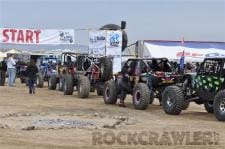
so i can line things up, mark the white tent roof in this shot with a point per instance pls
(14, 51)
(2, 54)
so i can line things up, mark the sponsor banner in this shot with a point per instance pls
(193, 51)
(114, 48)
(114, 39)
(107, 43)
(97, 41)
(36, 36)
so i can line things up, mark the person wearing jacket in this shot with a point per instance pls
(11, 70)
(32, 71)
(3, 69)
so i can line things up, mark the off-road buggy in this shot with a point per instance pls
(84, 72)
(48, 66)
(144, 79)
(204, 87)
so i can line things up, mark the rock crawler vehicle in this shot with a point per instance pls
(48, 66)
(144, 79)
(82, 71)
(207, 87)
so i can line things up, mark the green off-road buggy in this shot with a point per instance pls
(207, 87)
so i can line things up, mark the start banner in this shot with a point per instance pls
(36, 36)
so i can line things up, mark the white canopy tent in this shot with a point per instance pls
(2, 55)
(13, 51)
(194, 51)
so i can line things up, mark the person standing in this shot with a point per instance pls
(32, 71)
(3, 69)
(11, 69)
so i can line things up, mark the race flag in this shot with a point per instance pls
(181, 64)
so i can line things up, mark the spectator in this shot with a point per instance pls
(3, 69)
(32, 71)
(188, 68)
(11, 69)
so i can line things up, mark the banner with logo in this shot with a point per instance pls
(114, 48)
(193, 51)
(36, 36)
(97, 42)
(107, 43)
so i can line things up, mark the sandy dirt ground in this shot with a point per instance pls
(50, 119)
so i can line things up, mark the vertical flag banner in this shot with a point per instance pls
(114, 49)
(182, 58)
(181, 64)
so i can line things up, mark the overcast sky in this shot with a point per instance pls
(146, 19)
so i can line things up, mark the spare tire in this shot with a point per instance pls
(40, 80)
(80, 61)
(106, 71)
(83, 87)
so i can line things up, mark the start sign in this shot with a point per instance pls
(20, 36)
(36, 36)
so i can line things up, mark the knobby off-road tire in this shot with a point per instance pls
(68, 85)
(141, 96)
(173, 100)
(185, 105)
(40, 80)
(209, 106)
(110, 92)
(84, 87)
(92, 89)
(219, 106)
(99, 92)
(61, 82)
(52, 82)
(106, 68)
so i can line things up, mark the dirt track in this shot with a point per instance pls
(49, 119)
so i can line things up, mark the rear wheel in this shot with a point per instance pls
(83, 87)
(219, 106)
(40, 80)
(173, 100)
(68, 85)
(185, 105)
(61, 82)
(209, 106)
(141, 96)
(110, 92)
(92, 89)
(52, 82)
(99, 92)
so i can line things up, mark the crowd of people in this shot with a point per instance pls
(8, 67)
